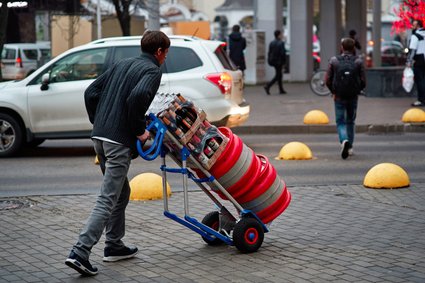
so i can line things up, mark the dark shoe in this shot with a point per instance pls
(345, 147)
(282, 92)
(119, 254)
(267, 90)
(418, 103)
(82, 266)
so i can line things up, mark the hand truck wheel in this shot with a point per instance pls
(248, 235)
(212, 220)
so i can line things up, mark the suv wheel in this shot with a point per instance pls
(10, 135)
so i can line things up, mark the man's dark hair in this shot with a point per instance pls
(348, 44)
(277, 33)
(420, 23)
(352, 33)
(236, 28)
(152, 40)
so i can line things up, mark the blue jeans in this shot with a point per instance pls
(109, 211)
(345, 116)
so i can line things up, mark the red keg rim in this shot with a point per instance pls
(263, 180)
(274, 210)
(244, 182)
(229, 156)
(248, 179)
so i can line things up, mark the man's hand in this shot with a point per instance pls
(143, 138)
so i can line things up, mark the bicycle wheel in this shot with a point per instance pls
(318, 84)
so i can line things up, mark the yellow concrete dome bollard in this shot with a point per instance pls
(147, 186)
(295, 151)
(413, 115)
(386, 176)
(316, 117)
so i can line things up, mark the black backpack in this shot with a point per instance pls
(346, 82)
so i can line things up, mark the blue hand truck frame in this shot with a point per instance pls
(252, 237)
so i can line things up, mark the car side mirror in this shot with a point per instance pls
(45, 80)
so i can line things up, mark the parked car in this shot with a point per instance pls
(18, 60)
(393, 53)
(49, 103)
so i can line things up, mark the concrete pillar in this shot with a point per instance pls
(376, 33)
(355, 15)
(330, 30)
(268, 18)
(301, 17)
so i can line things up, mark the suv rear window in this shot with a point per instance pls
(31, 54)
(178, 58)
(224, 59)
(45, 53)
(181, 59)
(126, 52)
(8, 54)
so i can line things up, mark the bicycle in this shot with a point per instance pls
(318, 83)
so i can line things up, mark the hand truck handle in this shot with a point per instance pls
(160, 130)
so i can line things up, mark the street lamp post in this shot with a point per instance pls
(99, 20)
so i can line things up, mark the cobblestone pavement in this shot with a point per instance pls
(327, 234)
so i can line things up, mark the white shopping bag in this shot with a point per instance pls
(408, 79)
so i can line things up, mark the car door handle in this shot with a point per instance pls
(162, 84)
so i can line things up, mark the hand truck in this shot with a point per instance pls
(246, 231)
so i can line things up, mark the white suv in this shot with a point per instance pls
(49, 103)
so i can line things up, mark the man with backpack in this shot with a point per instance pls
(416, 58)
(345, 79)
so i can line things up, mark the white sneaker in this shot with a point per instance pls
(417, 103)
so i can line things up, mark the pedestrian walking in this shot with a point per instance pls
(237, 45)
(416, 58)
(346, 78)
(116, 104)
(357, 44)
(276, 59)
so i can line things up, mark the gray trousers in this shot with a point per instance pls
(109, 211)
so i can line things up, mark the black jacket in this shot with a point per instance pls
(277, 53)
(117, 101)
(237, 45)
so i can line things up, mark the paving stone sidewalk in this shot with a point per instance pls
(327, 234)
(285, 113)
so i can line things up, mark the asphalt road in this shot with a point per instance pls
(61, 167)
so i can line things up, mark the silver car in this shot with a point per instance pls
(49, 103)
(18, 60)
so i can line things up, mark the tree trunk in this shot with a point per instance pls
(3, 28)
(123, 14)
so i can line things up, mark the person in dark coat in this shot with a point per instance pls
(116, 103)
(277, 59)
(237, 45)
(357, 45)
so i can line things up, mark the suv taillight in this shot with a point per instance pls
(222, 80)
(18, 62)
